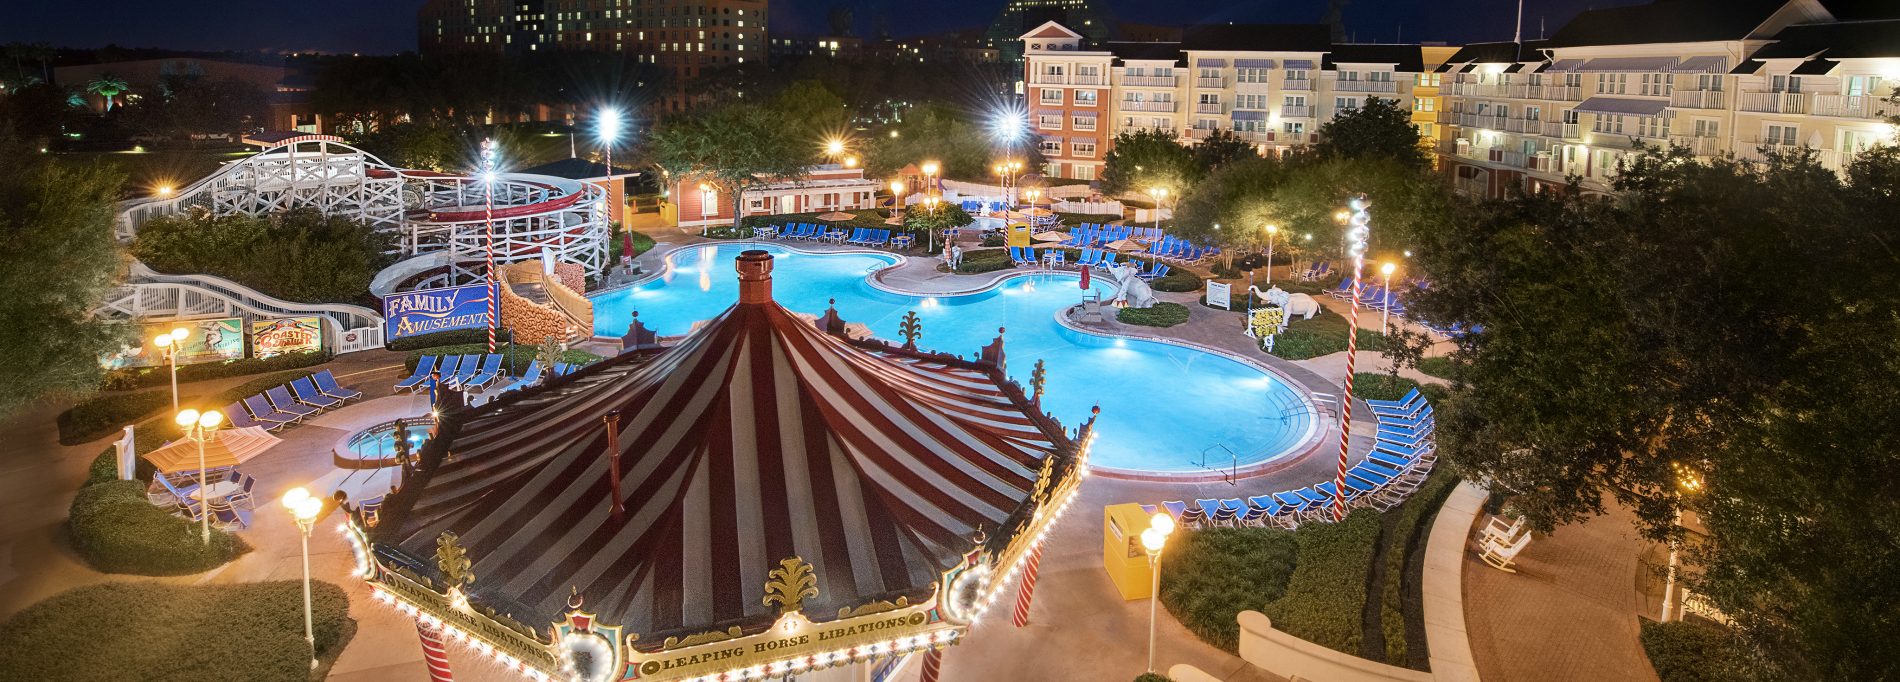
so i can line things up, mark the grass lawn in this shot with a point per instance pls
(1161, 315)
(152, 631)
(1440, 366)
(1325, 334)
(1211, 575)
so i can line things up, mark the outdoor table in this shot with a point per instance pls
(1049, 259)
(836, 236)
(762, 232)
(219, 490)
(901, 241)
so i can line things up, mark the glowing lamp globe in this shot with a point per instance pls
(1153, 540)
(295, 497)
(186, 417)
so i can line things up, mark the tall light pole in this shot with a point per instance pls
(1154, 539)
(897, 197)
(488, 215)
(930, 171)
(1271, 229)
(170, 342)
(1386, 313)
(1158, 193)
(304, 509)
(198, 427)
(607, 125)
(930, 233)
(1358, 229)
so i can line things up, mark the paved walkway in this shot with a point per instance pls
(1569, 613)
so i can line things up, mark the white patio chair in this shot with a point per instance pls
(1503, 557)
(1497, 531)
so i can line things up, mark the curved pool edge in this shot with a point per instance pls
(666, 258)
(1308, 444)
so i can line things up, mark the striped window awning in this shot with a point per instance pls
(1703, 64)
(1083, 114)
(1052, 138)
(1250, 116)
(1621, 106)
(1627, 64)
(1254, 63)
(1299, 63)
(1210, 63)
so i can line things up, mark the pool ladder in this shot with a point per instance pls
(1231, 475)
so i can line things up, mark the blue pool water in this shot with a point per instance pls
(1163, 406)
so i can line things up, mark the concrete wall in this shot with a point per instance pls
(1284, 654)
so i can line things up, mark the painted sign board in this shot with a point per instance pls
(286, 335)
(1220, 294)
(427, 311)
(211, 340)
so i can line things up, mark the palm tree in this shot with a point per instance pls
(107, 86)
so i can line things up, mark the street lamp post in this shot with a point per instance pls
(1271, 228)
(169, 342)
(897, 197)
(1385, 313)
(304, 509)
(608, 122)
(930, 233)
(488, 216)
(1153, 540)
(198, 427)
(1158, 193)
(930, 171)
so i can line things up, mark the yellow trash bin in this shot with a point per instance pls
(1122, 554)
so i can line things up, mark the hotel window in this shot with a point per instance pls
(1210, 98)
(1573, 80)
(1083, 149)
(1784, 135)
(1049, 121)
(1135, 71)
(1708, 127)
(1296, 74)
(1082, 123)
(1250, 126)
(1294, 101)
(1210, 73)
(1051, 96)
(1049, 147)
(1349, 76)
(1709, 81)
(1785, 84)
(1657, 84)
(1250, 75)
(1379, 76)
(1085, 98)
(1085, 172)
(1533, 113)
(1613, 83)
(1857, 86)
(1250, 102)
(1293, 127)
(1345, 103)
(1607, 124)
(1650, 126)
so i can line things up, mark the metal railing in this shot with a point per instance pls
(1048, 79)
(1773, 102)
(1140, 105)
(1696, 99)
(1208, 108)
(1215, 82)
(1365, 86)
(1698, 145)
(1086, 79)
(1299, 84)
(1853, 106)
(1296, 111)
(1149, 81)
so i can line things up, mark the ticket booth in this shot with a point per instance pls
(1122, 554)
(1017, 235)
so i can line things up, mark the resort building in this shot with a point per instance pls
(1719, 77)
(1004, 33)
(1272, 83)
(830, 187)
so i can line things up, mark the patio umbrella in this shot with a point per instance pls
(1121, 245)
(1052, 236)
(835, 216)
(1039, 213)
(894, 221)
(226, 448)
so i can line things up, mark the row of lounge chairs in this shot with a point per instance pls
(1026, 256)
(469, 371)
(1316, 271)
(285, 404)
(1180, 250)
(1401, 457)
(1092, 234)
(1371, 296)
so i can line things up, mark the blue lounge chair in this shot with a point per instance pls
(281, 399)
(326, 382)
(1185, 515)
(308, 394)
(262, 411)
(1156, 269)
(528, 378)
(562, 369)
(1344, 290)
(1405, 401)
(1217, 514)
(465, 369)
(490, 370)
(241, 418)
(1089, 257)
(1058, 257)
(1108, 259)
(423, 367)
(445, 368)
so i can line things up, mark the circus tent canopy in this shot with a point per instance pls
(757, 438)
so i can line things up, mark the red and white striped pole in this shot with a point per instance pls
(1028, 591)
(488, 213)
(434, 653)
(1358, 229)
(933, 665)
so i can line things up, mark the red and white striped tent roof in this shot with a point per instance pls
(755, 439)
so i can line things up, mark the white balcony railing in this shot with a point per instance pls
(1698, 145)
(1148, 81)
(1199, 133)
(1207, 108)
(1301, 84)
(1551, 129)
(1365, 86)
(1773, 102)
(1086, 79)
(1137, 105)
(1696, 99)
(1048, 79)
(1215, 82)
(1296, 111)
(1853, 106)
(1562, 93)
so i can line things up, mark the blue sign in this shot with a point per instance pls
(436, 310)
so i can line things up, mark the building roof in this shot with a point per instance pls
(1666, 21)
(1258, 37)
(1844, 40)
(757, 438)
(1405, 58)
(1133, 50)
(1494, 53)
(578, 169)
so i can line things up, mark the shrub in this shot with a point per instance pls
(985, 260)
(1440, 366)
(1151, 677)
(1407, 533)
(143, 377)
(299, 255)
(105, 467)
(1209, 576)
(1177, 280)
(1698, 651)
(251, 631)
(642, 242)
(515, 357)
(457, 337)
(1322, 335)
(117, 530)
(995, 241)
(1161, 315)
(1325, 598)
(105, 414)
(1377, 386)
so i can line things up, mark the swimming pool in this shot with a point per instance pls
(1165, 408)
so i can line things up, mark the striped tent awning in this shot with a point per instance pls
(1619, 106)
(1250, 115)
(757, 438)
(1564, 66)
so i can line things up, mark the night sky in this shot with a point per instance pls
(386, 26)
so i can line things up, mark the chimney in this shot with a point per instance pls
(755, 277)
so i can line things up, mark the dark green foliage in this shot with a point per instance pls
(1402, 548)
(1161, 315)
(977, 261)
(642, 242)
(105, 467)
(116, 530)
(1149, 158)
(298, 255)
(959, 143)
(1324, 598)
(105, 414)
(422, 146)
(458, 337)
(1209, 576)
(1178, 280)
(143, 377)
(1440, 366)
(1379, 386)
(515, 357)
(58, 260)
(1151, 677)
(1325, 334)
(251, 631)
(733, 147)
(1699, 651)
(1221, 147)
(945, 216)
(1377, 129)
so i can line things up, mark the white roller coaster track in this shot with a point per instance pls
(151, 295)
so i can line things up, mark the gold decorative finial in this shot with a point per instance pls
(1044, 479)
(1037, 378)
(453, 562)
(790, 584)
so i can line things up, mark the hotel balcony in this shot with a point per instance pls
(1696, 99)
(1700, 146)
(1199, 133)
(1149, 81)
(1853, 106)
(1560, 93)
(1528, 126)
(1365, 86)
(1083, 79)
(1216, 82)
(1048, 79)
(1773, 102)
(1208, 108)
(1552, 129)
(1302, 84)
(1757, 149)
(1295, 111)
(1134, 105)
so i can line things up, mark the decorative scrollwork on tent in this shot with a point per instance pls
(1037, 378)
(702, 638)
(880, 606)
(1043, 481)
(453, 562)
(790, 584)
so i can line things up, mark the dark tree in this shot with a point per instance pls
(1221, 147)
(1149, 158)
(1379, 128)
(732, 147)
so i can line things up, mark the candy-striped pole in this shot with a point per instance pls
(933, 665)
(1028, 591)
(434, 654)
(1359, 228)
(488, 212)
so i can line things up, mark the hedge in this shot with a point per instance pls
(1407, 534)
(117, 530)
(985, 260)
(1440, 366)
(449, 338)
(515, 357)
(105, 414)
(1322, 335)
(155, 631)
(1161, 315)
(146, 377)
(1178, 280)
(105, 466)
(1698, 651)
(1380, 386)
(1210, 575)
(1325, 599)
